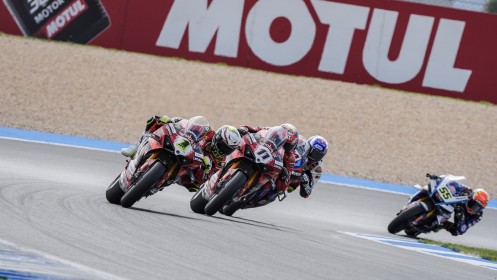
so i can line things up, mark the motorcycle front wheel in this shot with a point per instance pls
(231, 187)
(143, 185)
(404, 218)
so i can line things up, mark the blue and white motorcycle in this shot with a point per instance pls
(429, 208)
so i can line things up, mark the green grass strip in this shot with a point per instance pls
(486, 254)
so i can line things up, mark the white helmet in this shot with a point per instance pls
(318, 147)
(225, 141)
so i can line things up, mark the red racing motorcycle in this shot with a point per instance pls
(172, 151)
(259, 198)
(258, 161)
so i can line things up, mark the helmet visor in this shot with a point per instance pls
(220, 148)
(474, 206)
(316, 155)
(224, 148)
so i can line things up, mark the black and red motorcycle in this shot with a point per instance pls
(258, 161)
(163, 157)
(261, 197)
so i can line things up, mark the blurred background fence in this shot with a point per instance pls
(485, 6)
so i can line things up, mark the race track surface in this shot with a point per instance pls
(52, 200)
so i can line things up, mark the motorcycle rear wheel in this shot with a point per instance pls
(233, 185)
(403, 219)
(231, 208)
(198, 202)
(114, 192)
(143, 185)
(411, 232)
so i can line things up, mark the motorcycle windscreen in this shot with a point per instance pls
(275, 137)
(197, 127)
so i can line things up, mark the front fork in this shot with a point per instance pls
(134, 170)
(280, 194)
(431, 210)
(211, 187)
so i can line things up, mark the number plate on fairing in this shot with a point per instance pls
(262, 155)
(446, 195)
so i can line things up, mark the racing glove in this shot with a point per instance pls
(243, 130)
(150, 122)
(207, 164)
(284, 176)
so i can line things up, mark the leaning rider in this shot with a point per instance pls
(216, 146)
(312, 152)
(289, 158)
(466, 214)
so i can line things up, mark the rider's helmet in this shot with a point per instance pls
(292, 137)
(301, 145)
(225, 141)
(318, 147)
(478, 200)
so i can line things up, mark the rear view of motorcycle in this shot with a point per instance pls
(428, 208)
(163, 157)
(257, 163)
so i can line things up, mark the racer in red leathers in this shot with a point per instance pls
(223, 142)
(153, 124)
(215, 145)
(289, 158)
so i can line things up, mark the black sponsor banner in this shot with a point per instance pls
(66, 20)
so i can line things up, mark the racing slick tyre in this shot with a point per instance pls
(143, 185)
(198, 202)
(231, 187)
(404, 218)
(114, 192)
(231, 208)
(412, 232)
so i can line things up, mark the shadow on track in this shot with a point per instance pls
(254, 223)
(168, 214)
(223, 218)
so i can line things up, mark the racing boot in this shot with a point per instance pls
(131, 150)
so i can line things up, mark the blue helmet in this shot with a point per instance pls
(318, 147)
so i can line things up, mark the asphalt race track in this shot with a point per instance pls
(52, 202)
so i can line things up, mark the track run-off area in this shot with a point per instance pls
(57, 224)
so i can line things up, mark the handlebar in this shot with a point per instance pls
(433, 177)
